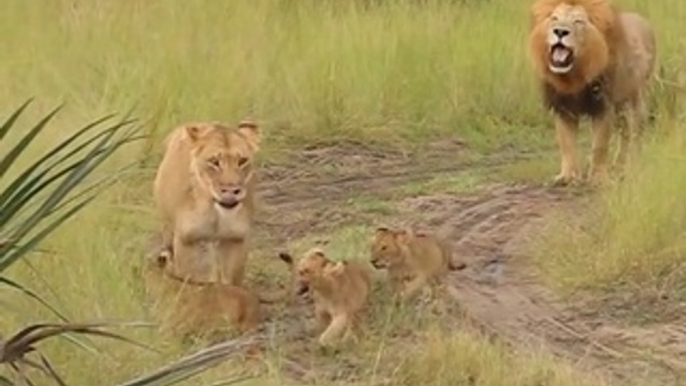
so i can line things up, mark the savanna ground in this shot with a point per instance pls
(420, 113)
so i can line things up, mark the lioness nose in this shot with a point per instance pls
(232, 191)
(561, 32)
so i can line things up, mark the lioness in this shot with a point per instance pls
(595, 61)
(339, 291)
(200, 307)
(204, 193)
(412, 259)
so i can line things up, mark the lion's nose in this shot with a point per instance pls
(560, 32)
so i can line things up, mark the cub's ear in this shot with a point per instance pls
(251, 131)
(402, 236)
(381, 230)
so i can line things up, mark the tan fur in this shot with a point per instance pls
(339, 291)
(204, 193)
(412, 260)
(612, 48)
(201, 308)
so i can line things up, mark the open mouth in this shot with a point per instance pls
(302, 289)
(378, 265)
(561, 59)
(228, 204)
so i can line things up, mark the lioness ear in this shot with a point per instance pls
(251, 131)
(382, 230)
(193, 132)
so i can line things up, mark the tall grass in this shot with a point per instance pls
(636, 237)
(312, 69)
(392, 72)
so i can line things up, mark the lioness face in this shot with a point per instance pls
(566, 28)
(222, 160)
(311, 266)
(385, 250)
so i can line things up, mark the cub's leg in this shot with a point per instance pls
(336, 329)
(323, 318)
(566, 128)
(414, 285)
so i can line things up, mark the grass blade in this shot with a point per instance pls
(5, 128)
(193, 364)
(33, 296)
(52, 371)
(22, 178)
(5, 382)
(8, 259)
(25, 142)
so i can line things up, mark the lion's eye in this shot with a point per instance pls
(213, 162)
(242, 161)
(383, 248)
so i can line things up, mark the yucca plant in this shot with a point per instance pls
(37, 201)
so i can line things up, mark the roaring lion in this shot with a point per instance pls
(593, 60)
(413, 260)
(204, 191)
(339, 290)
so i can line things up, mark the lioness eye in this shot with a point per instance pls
(242, 161)
(214, 162)
(383, 247)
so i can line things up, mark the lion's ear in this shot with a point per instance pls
(251, 131)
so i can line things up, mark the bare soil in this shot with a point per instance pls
(490, 230)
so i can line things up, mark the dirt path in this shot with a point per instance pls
(489, 230)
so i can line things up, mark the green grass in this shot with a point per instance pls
(462, 183)
(634, 239)
(465, 359)
(396, 73)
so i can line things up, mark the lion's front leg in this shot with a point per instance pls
(601, 134)
(231, 256)
(566, 128)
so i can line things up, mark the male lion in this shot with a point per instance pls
(413, 260)
(204, 192)
(595, 61)
(339, 290)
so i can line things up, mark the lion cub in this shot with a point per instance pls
(202, 307)
(339, 291)
(413, 260)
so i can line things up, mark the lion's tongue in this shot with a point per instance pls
(560, 55)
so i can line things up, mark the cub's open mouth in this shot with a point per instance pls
(378, 265)
(561, 59)
(302, 289)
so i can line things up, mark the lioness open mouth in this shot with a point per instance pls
(561, 59)
(228, 204)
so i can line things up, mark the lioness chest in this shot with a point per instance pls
(209, 223)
